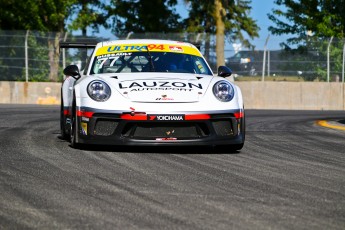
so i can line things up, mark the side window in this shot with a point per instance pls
(200, 65)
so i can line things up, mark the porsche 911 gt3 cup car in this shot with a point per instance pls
(150, 92)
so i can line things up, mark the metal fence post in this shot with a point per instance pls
(264, 59)
(328, 64)
(26, 57)
(268, 63)
(64, 54)
(342, 72)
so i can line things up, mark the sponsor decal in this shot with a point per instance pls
(164, 98)
(84, 128)
(175, 117)
(173, 89)
(200, 67)
(166, 138)
(135, 48)
(176, 48)
(85, 119)
(159, 85)
(113, 55)
(165, 117)
(127, 49)
(170, 132)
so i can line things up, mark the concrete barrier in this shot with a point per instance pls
(293, 95)
(47, 93)
(257, 95)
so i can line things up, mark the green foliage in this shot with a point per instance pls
(138, 16)
(311, 23)
(11, 65)
(88, 13)
(142, 16)
(38, 57)
(300, 60)
(336, 57)
(48, 15)
(236, 20)
(323, 18)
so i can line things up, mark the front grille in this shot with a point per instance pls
(223, 128)
(149, 130)
(105, 127)
(153, 130)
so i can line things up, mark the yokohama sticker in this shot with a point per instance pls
(175, 117)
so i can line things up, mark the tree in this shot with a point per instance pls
(46, 16)
(311, 23)
(200, 20)
(142, 16)
(227, 18)
(323, 18)
(88, 13)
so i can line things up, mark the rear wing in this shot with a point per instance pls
(86, 45)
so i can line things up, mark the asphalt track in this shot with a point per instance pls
(289, 175)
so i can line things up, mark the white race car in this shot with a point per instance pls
(150, 93)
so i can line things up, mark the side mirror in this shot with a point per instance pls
(224, 71)
(72, 70)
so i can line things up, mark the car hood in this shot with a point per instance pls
(161, 87)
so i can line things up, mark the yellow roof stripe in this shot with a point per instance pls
(130, 48)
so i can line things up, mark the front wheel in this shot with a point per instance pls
(236, 147)
(63, 132)
(74, 127)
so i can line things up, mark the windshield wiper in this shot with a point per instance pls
(152, 67)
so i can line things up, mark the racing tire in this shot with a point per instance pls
(74, 127)
(235, 147)
(238, 147)
(63, 132)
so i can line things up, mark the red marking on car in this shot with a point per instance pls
(66, 112)
(176, 48)
(197, 117)
(136, 117)
(164, 99)
(166, 139)
(84, 114)
(152, 118)
(239, 115)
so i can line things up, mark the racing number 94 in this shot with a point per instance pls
(155, 47)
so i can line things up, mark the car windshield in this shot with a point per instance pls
(146, 61)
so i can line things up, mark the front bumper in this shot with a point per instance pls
(140, 129)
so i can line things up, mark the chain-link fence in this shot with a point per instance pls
(35, 56)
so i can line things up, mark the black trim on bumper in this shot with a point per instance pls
(204, 132)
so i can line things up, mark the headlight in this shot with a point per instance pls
(223, 91)
(98, 90)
